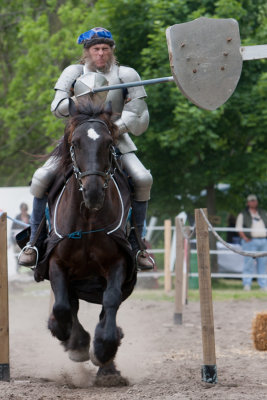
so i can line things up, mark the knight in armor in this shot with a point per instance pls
(98, 67)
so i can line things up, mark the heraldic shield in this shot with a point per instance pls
(205, 59)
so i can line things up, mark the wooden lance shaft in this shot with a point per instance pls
(4, 320)
(209, 369)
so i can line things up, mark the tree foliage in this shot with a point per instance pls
(188, 149)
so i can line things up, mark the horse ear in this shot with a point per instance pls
(108, 108)
(72, 108)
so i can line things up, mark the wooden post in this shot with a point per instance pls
(178, 304)
(4, 320)
(186, 264)
(209, 369)
(167, 255)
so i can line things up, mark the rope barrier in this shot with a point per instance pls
(17, 221)
(156, 275)
(185, 235)
(229, 246)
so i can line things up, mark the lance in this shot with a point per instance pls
(206, 59)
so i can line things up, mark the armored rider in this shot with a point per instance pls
(131, 114)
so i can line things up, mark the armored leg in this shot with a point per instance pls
(141, 177)
(142, 182)
(38, 211)
(139, 209)
(43, 177)
(41, 181)
(29, 255)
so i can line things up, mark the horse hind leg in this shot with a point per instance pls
(78, 343)
(60, 320)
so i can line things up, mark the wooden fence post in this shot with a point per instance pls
(167, 255)
(4, 320)
(209, 369)
(178, 304)
(186, 264)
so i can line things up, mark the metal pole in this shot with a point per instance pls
(133, 84)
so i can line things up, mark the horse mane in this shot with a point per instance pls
(83, 112)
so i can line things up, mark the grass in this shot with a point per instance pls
(222, 290)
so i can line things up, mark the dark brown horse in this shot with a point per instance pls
(91, 260)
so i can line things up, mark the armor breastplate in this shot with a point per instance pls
(115, 96)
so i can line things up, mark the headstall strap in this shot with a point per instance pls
(78, 174)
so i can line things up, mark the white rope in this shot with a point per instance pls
(185, 235)
(156, 275)
(55, 212)
(230, 247)
(122, 207)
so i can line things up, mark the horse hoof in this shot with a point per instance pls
(111, 380)
(79, 355)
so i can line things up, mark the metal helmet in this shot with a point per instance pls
(85, 84)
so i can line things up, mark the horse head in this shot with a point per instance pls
(91, 137)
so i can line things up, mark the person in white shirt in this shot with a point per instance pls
(253, 218)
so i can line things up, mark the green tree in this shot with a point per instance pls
(197, 149)
(187, 149)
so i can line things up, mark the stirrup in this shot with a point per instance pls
(29, 246)
(147, 256)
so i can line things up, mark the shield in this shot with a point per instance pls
(205, 59)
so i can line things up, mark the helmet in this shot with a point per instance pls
(87, 82)
(96, 36)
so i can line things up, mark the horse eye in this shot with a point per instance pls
(75, 145)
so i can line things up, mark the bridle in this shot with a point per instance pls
(106, 174)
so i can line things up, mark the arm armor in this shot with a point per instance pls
(60, 104)
(135, 116)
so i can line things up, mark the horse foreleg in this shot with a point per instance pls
(60, 321)
(78, 343)
(107, 335)
(108, 375)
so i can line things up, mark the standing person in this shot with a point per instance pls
(131, 115)
(23, 216)
(255, 219)
(232, 237)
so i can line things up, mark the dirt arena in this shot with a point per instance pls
(161, 360)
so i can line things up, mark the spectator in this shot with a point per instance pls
(232, 237)
(23, 216)
(255, 219)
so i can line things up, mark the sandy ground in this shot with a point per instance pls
(160, 359)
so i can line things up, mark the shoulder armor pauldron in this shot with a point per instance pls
(68, 77)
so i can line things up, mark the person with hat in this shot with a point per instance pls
(98, 67)
(255, 219)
